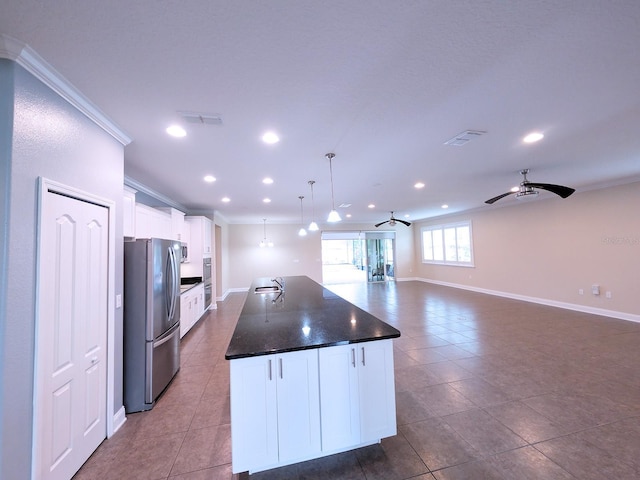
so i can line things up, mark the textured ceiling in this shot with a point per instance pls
(382, 84)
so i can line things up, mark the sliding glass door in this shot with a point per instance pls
(380, 256)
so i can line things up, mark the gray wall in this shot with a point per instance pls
(51, 139)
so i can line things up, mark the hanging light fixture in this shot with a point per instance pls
(334, 216)
(264, 242)
(302, 232)
(313, 226)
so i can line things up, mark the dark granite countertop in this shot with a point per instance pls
(306, 315)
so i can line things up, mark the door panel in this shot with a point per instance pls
(339, 397)
(165, 358)
(377, 391)
(254, 420)
(298, 405)
(70, 392)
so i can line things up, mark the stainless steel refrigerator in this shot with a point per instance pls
(151, 320)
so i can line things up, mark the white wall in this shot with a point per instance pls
(295, 255)
(223, 263)
(48, 138)
(549, 249)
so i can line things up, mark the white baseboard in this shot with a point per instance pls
(543, 301)
(118, 420)
(238, 290)
(229, 291)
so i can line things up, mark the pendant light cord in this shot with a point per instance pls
(330, 157)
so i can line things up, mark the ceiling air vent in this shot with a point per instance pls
(464, 137)
(201, 118)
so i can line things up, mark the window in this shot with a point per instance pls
(448, 244)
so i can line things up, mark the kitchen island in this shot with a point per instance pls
(311, 375)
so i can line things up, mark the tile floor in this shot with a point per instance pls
(486, 388)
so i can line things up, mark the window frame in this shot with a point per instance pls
(442, 243)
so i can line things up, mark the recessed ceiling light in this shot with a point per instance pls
(270, 138)
(533, 137)
(348, 215)
(515, 189)
(419, 185)
(209, 178)
(445, 205)
(267, 180)
(176, 131)
(226, 199)
(407, 215)
(266, 200)
(371, 205)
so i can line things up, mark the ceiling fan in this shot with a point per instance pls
(528, 188)
(392, 221)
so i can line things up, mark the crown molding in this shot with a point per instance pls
(142, 188)
(27, 58)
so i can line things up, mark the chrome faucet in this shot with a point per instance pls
(279, 281)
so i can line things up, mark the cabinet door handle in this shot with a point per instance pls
(269, 369)
(363, 362)
(280, 360)
(353, 357)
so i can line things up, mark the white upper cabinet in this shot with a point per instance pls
(200, 240)
(200, 236)
(152, 223)
(177, 223)
(129, 212)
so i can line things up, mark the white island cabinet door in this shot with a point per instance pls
(254, 421)
(339, 398)
(377, 390)
(298, 405)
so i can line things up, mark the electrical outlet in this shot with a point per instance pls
(595, 289)
(118, 301)
(608, 294)
(580, 291)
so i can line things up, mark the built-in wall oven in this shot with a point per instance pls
(206, 278)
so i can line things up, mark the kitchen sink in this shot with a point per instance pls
(268, 289)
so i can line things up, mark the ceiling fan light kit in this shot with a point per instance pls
(392, 221)
(527, 189)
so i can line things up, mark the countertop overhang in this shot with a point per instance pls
(305, 315)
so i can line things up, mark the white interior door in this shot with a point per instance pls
(71, 378)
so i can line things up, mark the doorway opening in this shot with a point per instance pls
(358, 257)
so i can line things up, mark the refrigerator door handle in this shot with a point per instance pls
(172, 284)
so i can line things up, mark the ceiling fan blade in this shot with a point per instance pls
(561, 190)
(403, 221)
(382, 223)
(494, 199)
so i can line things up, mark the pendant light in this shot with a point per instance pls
(264, 242)
(313, 226)
(334, 216)
(302, 232)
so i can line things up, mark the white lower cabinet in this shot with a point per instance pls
(275, 411)
(191, 308)
(291, 407)
(357, 394)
